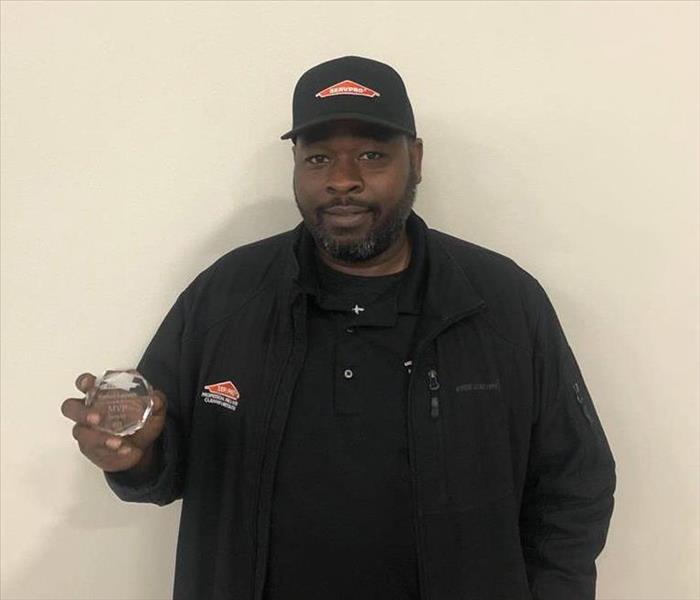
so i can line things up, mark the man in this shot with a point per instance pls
(398, 415)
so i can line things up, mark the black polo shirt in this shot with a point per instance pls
(342, 511)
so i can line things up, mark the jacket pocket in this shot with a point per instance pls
(477, 445)
(586, 417)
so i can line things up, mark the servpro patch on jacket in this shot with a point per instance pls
(224, 394)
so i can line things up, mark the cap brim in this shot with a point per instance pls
(349, 115)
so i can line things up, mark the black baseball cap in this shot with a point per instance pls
(351, 87)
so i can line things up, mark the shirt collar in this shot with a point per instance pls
(447, 290)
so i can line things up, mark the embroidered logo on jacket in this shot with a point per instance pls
(347, 88)
(470, 387)
(224, 394)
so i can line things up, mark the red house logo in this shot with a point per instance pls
(225, 389)
(347, 88)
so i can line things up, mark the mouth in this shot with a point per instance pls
(346, 216)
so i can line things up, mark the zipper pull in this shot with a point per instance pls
(584, 408)
(434, 385)
(433, 382)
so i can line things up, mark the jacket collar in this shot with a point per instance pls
(448, 291)
(406, 299)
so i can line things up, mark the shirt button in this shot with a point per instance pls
(348, 374)
(350, 329)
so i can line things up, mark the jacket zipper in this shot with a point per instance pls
(434, 386)
(257, 593)
(417, 512)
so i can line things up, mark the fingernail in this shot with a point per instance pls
(124, 450)
(93, 418)
(113, 443)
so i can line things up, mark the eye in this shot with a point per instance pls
(316, 159)
(372, 155)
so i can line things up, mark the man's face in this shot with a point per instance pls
(355, 185)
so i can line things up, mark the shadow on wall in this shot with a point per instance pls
(82, 554)
(250, 223)
(246, 224)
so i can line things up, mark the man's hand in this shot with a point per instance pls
(109, 452)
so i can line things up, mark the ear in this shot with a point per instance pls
(416, 151)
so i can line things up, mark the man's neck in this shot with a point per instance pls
(394, 259)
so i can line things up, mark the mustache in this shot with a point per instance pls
(345, 201)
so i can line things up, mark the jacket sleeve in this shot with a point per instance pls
(568, 497)
(162, 365)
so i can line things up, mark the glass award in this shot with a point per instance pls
(123, 399)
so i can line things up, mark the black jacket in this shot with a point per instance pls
(513, 477)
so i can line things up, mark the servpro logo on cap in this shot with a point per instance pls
(347, 88)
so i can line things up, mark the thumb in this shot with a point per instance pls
(85, 382)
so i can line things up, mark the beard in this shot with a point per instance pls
(378, 239)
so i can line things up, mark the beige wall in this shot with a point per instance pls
(140, 142)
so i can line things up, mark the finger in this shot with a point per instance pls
(89, 439)
(121, 460)
(85, 382)
(146, 436)
(94, 440)
(160, 403)
(75, 410)
(119, 445)
(108, 452)
(153, 426)
(127, 449)
(115, 450)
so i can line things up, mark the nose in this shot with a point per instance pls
(344, 177)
